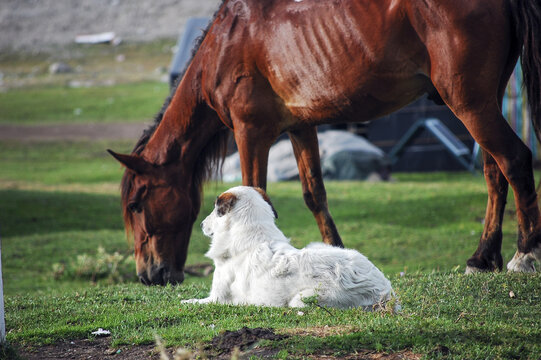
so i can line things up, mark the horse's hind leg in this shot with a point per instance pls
(488, 256)
(515, 161)
(494, 135)
(470, 84)
(306, 149)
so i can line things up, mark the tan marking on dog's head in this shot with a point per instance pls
(224, 203)
(267, 199)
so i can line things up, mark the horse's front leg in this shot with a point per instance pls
(306, 149)
(488, 255)
(253, 145)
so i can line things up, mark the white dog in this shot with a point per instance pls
(255, 263)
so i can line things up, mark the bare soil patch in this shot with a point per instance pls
(90, 349)
(94, 131)
(241, 344)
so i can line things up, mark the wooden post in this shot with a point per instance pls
(2, 318)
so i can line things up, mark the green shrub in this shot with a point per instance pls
(114, 268)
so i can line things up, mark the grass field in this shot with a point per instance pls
(68, 269)
(60, 104)
(60, 203)
(99, 89)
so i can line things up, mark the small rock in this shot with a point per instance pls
(161, 70)
(512, 294)
(110, 351)
(76, 84)
(60, 68)
(183, 354)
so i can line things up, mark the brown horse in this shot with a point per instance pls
(266, 67)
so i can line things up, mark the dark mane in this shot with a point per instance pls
(211, 156)
(147, 133)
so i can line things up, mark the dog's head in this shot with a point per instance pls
(239, 205)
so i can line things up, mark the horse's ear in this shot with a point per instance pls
(224, 203)
(132, 162)
(267, 199)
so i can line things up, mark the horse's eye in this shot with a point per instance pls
(134, 207)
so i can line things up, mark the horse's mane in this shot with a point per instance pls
(210, 158)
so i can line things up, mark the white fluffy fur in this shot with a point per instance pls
(255, 263)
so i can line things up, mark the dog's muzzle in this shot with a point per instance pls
(207, 230)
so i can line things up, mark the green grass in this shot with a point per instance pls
(472, 316)
(61, 200)
(61, 163)
(60, 104)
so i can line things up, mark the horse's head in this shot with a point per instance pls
(160, 206)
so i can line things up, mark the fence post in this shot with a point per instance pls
(2, 318)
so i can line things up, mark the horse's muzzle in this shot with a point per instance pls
(161, 275)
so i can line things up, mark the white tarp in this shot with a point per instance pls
(344, 156)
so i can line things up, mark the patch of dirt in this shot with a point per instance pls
(320, 331)
(92, 131)
(240, 344)
(369, 355)
(222, 346)
(90, 349)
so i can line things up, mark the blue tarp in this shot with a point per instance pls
(187, 40)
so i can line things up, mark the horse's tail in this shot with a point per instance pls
(527, 19)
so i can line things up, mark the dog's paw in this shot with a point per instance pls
(191, 301)
(197, 301)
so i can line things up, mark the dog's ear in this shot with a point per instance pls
(267, 199)
(224, 203)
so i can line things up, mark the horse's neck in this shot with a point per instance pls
(184, 129)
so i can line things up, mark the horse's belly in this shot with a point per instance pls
(364, 102)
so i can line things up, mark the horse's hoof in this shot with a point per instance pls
(522, 263)
(475, 265)
(473, 270)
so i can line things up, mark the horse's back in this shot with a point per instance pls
(340, 59)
